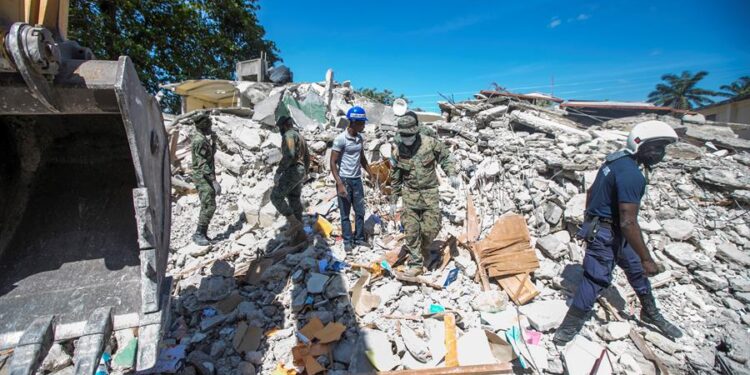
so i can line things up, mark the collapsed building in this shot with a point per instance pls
(502, 268)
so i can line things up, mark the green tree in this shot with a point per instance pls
(172, 40)
(386, 96)
(680, 91)
(740, 87)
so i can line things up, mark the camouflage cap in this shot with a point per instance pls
(407, 125)
(202, 121)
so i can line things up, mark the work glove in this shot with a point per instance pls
(455, 182)
(217, 187)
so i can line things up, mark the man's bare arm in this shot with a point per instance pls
(632, 233)
(363, 161)
(335, 155)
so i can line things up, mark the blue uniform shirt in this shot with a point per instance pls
(619, 181)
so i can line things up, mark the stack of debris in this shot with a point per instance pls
(255, 302)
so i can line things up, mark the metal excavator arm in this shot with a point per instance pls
(84, 195)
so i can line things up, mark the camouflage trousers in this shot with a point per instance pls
(420, 229)
(207, 196)
(286, 194)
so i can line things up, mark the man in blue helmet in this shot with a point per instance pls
(347, 160)
(612, 233)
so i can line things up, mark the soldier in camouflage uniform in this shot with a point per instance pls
(290, 175)
(414, 178)
(204, 174)
(421, 129)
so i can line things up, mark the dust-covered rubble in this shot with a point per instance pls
(514, 157)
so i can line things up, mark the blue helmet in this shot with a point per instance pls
(356, 113)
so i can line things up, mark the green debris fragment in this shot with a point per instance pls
(125, 357)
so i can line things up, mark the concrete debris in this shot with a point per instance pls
(56, 359)
(581, 354)
(676, 229)
(614, 331)
(474, 348)
(545, 315)
(244, 299)
(490, 301)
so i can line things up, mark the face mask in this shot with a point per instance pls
(652, 155)
(409, 140)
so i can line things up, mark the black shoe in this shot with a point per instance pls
(570, 326)
(650, 314)
(199, 237)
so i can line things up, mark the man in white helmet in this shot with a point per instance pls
(612, 232)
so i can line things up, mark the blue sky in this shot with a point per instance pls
(615, 50)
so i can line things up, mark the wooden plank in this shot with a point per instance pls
(514, 248)
(519, 288)
(416, 280)
(481, 271)
(516, 256)
(447, 250)
(640, 343)
(508, 230)
(451, 354)
(495, 273)
(503, 368)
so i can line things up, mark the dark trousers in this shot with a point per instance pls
(602, 253)
(355, 197)
(286, 194)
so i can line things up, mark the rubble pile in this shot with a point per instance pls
(255, 302)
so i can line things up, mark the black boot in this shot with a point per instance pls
(200, 237)
(571, 325)
(650, 314)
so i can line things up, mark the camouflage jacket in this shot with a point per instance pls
(203, 150)
(293, 151)
(415, 178)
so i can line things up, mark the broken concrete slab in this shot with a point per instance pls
(504, 320)
(552, 247)
(377, 348)
(681, 252)
(474, 349)
(666, 345)
(678, 229)
(581, 354)
(614, 331)
(265, 111)
(729, 252)
(548, 126)
(545, 315)
(416, 346)
(490, 301)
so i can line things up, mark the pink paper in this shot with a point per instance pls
(532, 337)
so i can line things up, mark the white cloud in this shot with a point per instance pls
(554, 23)
(583, 17)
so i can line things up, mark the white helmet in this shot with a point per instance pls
(649, 131)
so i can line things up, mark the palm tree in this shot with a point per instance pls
(740, 87)
(680, 91)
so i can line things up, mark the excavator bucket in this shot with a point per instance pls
(84, 210)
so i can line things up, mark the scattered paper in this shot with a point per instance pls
(330, 333)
